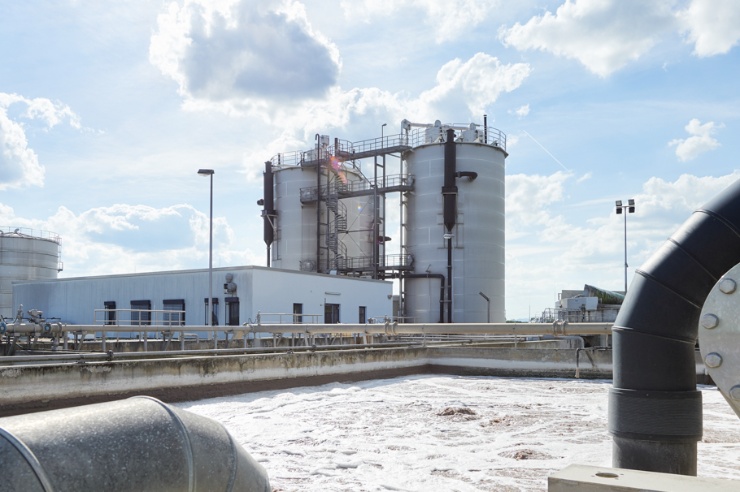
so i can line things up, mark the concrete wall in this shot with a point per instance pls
(183, 378)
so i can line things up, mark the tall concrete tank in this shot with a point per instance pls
(341, 227)
(455, 223)
(25, 254)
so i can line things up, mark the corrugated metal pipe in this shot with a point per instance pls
(127, 445)
(655, 410)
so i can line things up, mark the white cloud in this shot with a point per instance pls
(475, 83)
(19, 163)
(521, 111)
(603, 35)
(529, 197)
(125, 238)
(712, 25)
(700, 141)
(448, 21)
(240, 55)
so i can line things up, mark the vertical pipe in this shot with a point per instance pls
(449, 210)
(318, 205)
(376, 228)
(268, 211)
(449, 279)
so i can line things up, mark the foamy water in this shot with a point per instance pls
(441, 433)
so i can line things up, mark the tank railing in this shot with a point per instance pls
(371, 146)
(30, 233)
(308, 158)
(491, 136)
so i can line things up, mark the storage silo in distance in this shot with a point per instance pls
(25, 254)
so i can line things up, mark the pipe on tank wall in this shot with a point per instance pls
(268, 212)
(449, 207)
(655, 410)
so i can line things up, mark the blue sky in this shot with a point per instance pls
(108, 109)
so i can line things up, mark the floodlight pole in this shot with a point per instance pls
(209, 315)
(625, 209)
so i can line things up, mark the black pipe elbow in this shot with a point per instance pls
(655, 413)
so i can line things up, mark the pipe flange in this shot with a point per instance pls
(719, 335)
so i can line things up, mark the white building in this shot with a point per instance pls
(181, 297)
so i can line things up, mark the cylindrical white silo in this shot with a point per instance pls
(294, 246)
(25, 255)
(478, 233)
(345, 219)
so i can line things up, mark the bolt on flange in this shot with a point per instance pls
(709, 321)
(727, 286)
(713, 360)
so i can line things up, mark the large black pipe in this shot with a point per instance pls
(655, 411)
(268, 211)
(449, 189)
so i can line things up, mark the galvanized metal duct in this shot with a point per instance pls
(128, 445)
(655, 411)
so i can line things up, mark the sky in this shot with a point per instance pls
(108, 109)
(439, 432)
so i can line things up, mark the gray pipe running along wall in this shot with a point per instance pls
(655, 410)
(135, 444)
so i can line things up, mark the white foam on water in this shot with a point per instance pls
(446, 433)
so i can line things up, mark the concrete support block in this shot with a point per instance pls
(582, 478)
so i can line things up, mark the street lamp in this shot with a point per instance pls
(209, 316)
(625, 209)
(382, 127)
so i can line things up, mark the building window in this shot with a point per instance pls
(232, 311)
(214, 314)
(141, 313)
(297, 312)
(331, 313)
(174, 312)
(363, 314)
(110, 312)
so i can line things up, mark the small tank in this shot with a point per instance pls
(26, 254)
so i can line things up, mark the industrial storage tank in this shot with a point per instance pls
(342, 226)
(455, 224)
(25, 254)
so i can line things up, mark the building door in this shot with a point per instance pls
(110, 312)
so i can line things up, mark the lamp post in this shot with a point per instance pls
(382, 127)
(209, 315)
(625, 209)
